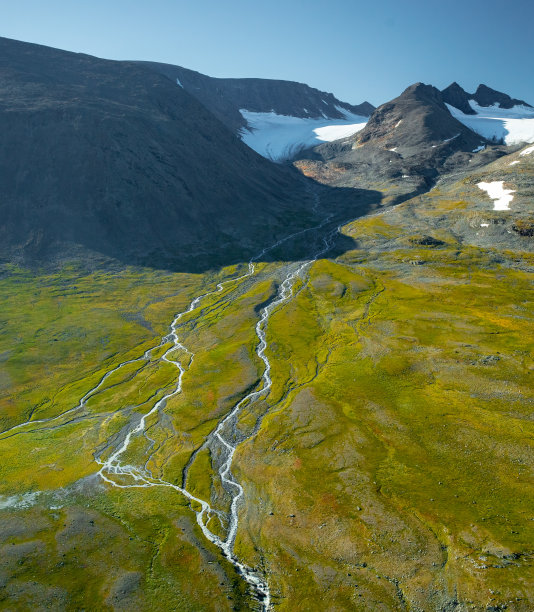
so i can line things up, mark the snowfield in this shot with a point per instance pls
(497, 192)
(281, 137)
(512, 125)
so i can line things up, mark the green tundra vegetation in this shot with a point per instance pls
(389, 467)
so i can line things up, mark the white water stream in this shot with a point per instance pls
(112, 466)
(118, 473)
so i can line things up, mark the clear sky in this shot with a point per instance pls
(358, 50)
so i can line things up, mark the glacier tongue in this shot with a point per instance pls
(281, 137)
(510, 125)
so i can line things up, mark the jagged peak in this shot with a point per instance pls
(485, 89)
(487, 96)
(454, 86)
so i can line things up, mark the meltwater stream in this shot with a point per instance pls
(113, 468)
(117, 472)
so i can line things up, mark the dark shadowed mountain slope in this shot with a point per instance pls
(115, 158)
(405, 146)
(484, 96)
(225, 97)
(457, 96)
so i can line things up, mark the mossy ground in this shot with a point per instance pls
(77, 544)
(392, 464)
(396, 473)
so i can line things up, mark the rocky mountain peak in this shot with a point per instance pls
(486, 96)
(457, 96)
(417, 118)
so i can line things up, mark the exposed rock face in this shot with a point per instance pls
(456, 96)
(417, 119)
(484, 96)
(224, 97)
(115, 158)
(409, 142)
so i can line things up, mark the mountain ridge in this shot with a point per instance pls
(115, 158)
(407, 144)
(225, 97)
(456, 96)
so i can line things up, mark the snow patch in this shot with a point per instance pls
(394, 149)
(479, 148)
(446, 140)
(511, 125)
(497, 192)
(527, 151)
(516, 112)
(178, 82)
(328, 133)
(484, 225)
(514, 163)
(281, 137)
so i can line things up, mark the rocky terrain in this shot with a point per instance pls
(484, 96)
(405, 147)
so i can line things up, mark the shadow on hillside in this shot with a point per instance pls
(296, 242)
(297, 235)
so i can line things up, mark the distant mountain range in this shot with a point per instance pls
(277, 119)
(225, 98)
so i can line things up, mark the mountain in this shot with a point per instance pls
(116, 159)
(414, 121)
(407, 142)
(226, 97)
(278, 119)
(456, 96)
(492, 114)
(484, 96)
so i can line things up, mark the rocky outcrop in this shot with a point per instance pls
(456, 96)
(484, 96)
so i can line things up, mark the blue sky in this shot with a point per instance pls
(357, 50)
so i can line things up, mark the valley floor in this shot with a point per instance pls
(389, 467)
